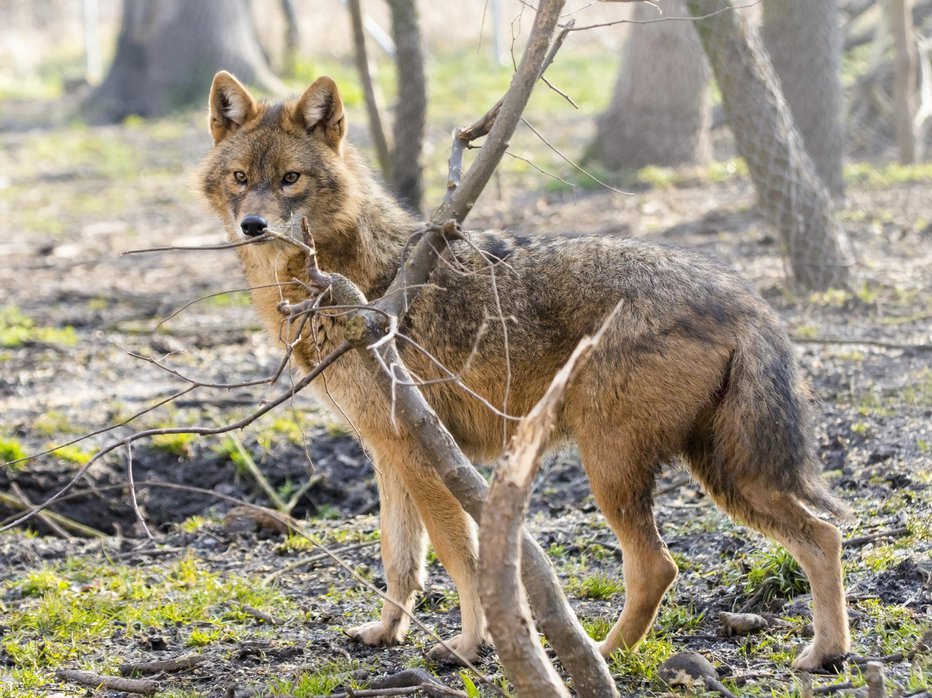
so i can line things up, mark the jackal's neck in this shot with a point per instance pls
(366, 242)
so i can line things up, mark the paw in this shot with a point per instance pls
(815, 659)
(468, 649)
(377, 633)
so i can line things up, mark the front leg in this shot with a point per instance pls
(403, 543)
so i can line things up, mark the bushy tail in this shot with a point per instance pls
(762, 429)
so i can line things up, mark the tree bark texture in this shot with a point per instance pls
(500, 534)
(793, 196)
(804, 40)
(168, 52)
(659, 113)
(411, 111)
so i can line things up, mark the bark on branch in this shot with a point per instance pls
(500, 539)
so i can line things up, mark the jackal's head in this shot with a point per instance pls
(273, 164)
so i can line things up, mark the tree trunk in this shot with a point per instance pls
(167, 54)
(410, 114)
(794, 198)
(659, 113)
(900, 16)
(803, 39)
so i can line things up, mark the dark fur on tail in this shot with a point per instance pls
(759, 432)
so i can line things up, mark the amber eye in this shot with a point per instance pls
(291, 177)
(240, 176)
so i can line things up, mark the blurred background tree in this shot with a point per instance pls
(167, 51)
(659, 112)
(803, 39)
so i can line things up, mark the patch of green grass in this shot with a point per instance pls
(93, 151)
(894, 628)
(881, 557)
(597, 628)
(774, 573)
(807, 331)
(855, 356)
(11, 450)
(289, 428)
(321, 681)
(667, 177)
(54, 422)
(236, 452)
(193, 524)
(861, 428)
(880, 176)
(674, 618)
(337, 429)
(329, 512)
(67, 607)
(644, 660)
(599, 587)
(295, 543)
(180, 445)
(351, 534)
(201, 637)
(919, 390)
(770, 646)
(17, 329)
(229, 300)
(73, 454)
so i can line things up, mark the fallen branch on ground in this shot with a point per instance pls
(145, 687)
(167, 666)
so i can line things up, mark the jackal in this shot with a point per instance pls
(695, 364)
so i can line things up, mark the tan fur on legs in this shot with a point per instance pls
(403, 544)
(454, 538)
(649, 571)
(816, 546)
(622, 488)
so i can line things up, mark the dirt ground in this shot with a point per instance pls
(76, 200)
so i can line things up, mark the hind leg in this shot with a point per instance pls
(622, 488)
(816, 545)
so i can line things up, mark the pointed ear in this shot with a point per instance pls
(320, 111)
(231, 106)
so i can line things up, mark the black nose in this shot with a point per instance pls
(253, 225)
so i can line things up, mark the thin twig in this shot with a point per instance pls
(310, 560)
(197, 248)
(132, 492)
(570, 162)
(687, 18)
(368, 88)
